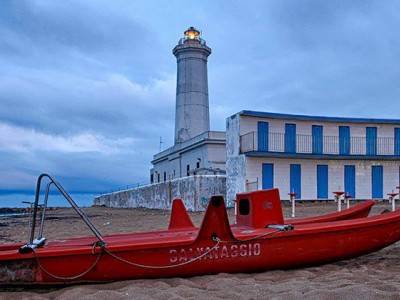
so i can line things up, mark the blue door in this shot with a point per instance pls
(290, 138)
(295, 180)
(371, 140)
(350, 180)
(267, 176)
(397, 141)
(317, 132)
(377, 182)
(322, 182)
(344, 140)
(263, 136)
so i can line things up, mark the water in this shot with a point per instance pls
(13, 215)
(55, 199)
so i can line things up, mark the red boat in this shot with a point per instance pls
(259, 241)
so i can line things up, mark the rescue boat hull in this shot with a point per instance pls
(187, 251)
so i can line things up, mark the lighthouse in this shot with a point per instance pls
(192, 116)
(196, 150)
(193, 168)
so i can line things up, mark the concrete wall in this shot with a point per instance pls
(195, 192)
(235, 162)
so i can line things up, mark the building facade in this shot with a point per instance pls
(312, 156)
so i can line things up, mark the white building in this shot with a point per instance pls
(197, 150)
(312, 156)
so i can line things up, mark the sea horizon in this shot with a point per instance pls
(15, 199)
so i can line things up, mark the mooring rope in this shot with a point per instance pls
(70, 277)
(215, 239)
(104, 250)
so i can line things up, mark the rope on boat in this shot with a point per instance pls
(76, 276)
(104, 250)
(215, 239)
(253, 238)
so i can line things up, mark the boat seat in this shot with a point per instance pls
(259, 209)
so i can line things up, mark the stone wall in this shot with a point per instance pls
(195, 191)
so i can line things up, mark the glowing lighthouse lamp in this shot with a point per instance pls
(192, 34)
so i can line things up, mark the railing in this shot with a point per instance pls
(196, 38)
(307, 144)
(251, 185)
(126, 187)
(40, 240)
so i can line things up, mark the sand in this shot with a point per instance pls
(374, 276)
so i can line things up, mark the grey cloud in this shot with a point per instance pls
(73, 24)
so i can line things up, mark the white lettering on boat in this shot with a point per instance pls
(177, 256)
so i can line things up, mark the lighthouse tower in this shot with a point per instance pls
(197, 150)
(192, 115)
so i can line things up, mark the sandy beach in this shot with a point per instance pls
(374, 276)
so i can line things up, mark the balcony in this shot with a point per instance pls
(280, 144)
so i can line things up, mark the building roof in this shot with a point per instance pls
(316, 118)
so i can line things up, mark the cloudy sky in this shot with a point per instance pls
(87, 88)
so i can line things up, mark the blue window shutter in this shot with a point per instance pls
(371, 140)
(317, 139)
(295, 179)
(263, 129)
(377, 182)
(322, 182)
(344, 140)
(350, 180)
(397, 141)
(267, 176)
(290, 138)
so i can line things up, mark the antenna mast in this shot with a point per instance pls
(161, 142)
